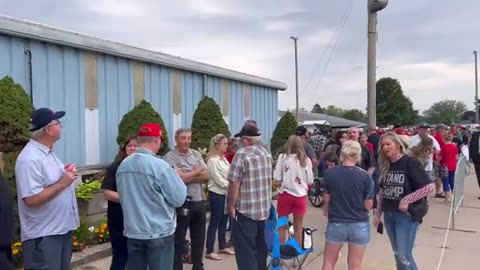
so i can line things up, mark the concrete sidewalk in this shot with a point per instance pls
(462, 247)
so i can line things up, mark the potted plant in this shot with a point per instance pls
(91, 203)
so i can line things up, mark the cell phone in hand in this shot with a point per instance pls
(380, 228)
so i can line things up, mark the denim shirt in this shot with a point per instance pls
(149, 191)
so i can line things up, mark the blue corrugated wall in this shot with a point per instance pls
(58, 82)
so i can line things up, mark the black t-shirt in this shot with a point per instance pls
(114, 211)
(368, 160)
(348, 188)
(404, 177)
(374, 139)
(6, 214)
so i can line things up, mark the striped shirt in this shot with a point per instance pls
(252, 167)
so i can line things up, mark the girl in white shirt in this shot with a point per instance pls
(217, 167)
(294, 173)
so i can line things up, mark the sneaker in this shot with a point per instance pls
(440, 196)
(213, 256)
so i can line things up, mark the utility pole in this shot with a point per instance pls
(296, 77)
(476, 88)
(373, 7)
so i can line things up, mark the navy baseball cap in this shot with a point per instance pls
(43, 116)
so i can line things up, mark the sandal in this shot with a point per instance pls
(213, 256)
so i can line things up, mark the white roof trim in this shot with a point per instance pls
(30, 30)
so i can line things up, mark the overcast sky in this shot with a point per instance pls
(426, 44)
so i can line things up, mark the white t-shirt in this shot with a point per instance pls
(415, 140)
(293, 178)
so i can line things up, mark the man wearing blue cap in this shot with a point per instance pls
(47, 205)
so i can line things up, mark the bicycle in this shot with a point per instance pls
(316, 192)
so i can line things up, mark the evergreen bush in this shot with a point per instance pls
(285, 128)
(141, 114)
(15, 113)
(206, 123)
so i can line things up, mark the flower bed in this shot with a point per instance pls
(82, 237)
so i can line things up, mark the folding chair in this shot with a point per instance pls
(290, 250)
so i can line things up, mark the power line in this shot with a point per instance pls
(332, 51)
(330, 42)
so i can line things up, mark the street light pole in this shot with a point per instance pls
(476, 88)
(373, 7)
(296, 76)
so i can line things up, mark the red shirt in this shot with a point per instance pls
(369, 145)
(438, 136)
(229, 156)
(449, 154)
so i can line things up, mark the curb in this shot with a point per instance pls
(98, 252)
(91, 254)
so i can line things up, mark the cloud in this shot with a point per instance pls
(426, 45)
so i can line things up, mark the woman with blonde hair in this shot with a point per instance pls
(404, 186)
(217, 166)
(294, 173)
(349, 197)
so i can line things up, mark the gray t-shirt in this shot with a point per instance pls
(309, 151)
(187, 162)
(348, 187)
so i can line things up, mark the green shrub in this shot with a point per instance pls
(85, 190)
(141, 114)
(206, 123)
(15, 112)
(285, 128)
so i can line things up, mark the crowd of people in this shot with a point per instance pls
(154, 201)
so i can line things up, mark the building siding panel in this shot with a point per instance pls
(58, 79)
(116, 98)
(13, 61)
(191, 95)
(159, 94)
(235, 95)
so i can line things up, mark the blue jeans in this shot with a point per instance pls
(249, 242)
(402, 232)
(449, 181)
(218, 221)
(53, 252)
(154, 254)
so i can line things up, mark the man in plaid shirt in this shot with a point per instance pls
(250, 199)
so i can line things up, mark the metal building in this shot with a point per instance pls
(98, 81)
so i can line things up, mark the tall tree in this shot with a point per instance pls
(355, 115)
(446, 112)
(334, 111)
(317, 108)
(393, 107)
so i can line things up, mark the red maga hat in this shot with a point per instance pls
(150, 130)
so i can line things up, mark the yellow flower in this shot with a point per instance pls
(17, 244)
(101, 236)
(97, 230)
(102, 231)
(15, 251)
(75, 244)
